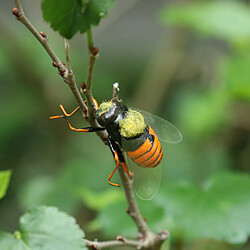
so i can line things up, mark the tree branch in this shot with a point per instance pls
(43, 40)
(116, 90)
(148, 239)
(93, 54)
(40, 36)
(67, 75)
(120, 241)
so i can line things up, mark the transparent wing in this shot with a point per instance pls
(165, 131)
(146, 181)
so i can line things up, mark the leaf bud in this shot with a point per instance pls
(16, 12)
(83, 87)
(95, 51)
(54, 64)
(120, 238)
(43, 34)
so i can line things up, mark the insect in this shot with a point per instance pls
(135, 134)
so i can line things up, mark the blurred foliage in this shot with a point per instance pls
(204, 195)
(219, 209)
(4, 182)
(229, 20)
(236, 75)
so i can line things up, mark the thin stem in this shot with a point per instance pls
(66, 45)
(127, 183)
(42, 40)
(116, 90)
(67, 75)
(151, 241)
(133, 209)
(89, 79)
(90, 38)
(113, 243)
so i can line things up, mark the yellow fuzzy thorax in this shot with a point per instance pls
(132, 124)
(105, 107)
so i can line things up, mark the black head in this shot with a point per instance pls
(109, 111)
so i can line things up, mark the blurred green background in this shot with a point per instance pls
(186, 61)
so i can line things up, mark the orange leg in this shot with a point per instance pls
(96, 103)
(126, 169)
(65, 113)
(117, 164)
(88, 129)
(117, 153)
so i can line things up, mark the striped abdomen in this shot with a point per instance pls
(149, 154)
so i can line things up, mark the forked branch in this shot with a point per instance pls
(148, 239)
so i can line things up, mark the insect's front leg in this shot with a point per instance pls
(66, 115)
(119, 158)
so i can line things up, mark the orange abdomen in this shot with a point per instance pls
(149, 154)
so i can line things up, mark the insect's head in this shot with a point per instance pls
(108, 112)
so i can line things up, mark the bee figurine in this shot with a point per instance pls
(135, 134)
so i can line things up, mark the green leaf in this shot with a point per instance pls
(218, 210)
(223, 19)
(10, 242)
(49, 228)
(44, 228)
(4, 182)
(70, 17)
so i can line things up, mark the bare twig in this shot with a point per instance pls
(41, 37)
(66, 45)
(93, 54)
(150, 240)
(120, 241)
(127, 183)
(116, 90)
(43, 40)
(67, 74)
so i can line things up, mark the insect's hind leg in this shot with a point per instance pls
(118, 156)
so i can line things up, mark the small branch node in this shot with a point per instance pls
(163, 235)
(83, 87)
(43, 35)
(127, 211)
(140, 236)
(95, 51)
(93, 246)
(54, 64)
(16, 12)
(120, 238)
